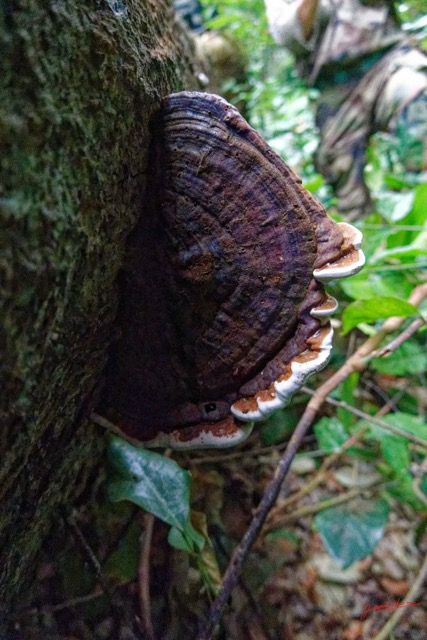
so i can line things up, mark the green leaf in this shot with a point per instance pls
(122, 564)
(75, 575)
(395, 206)
(153, 482)
(186, 540)
(395, 183)
(347, 393)
(351, 532)
(330, 434)
(207, 562)
(315, 183)
(408, 359)
(415, 217)
(395, 450)
(365, 286)
(283, 534)
(373, 309)
(374, 238)
(177, 540)
(194, 536)
(396, 453)
(410, 252)
(404, 492)
(279, 426)
(372, 285)
(404, 421)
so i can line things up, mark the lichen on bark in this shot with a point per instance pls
(79, 83)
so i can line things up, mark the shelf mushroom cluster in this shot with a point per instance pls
(223, 313)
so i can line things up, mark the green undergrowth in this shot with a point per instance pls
(394, 446)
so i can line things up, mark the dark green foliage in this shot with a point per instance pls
(78, 86)
(351, 532)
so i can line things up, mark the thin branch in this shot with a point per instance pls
(405, 335)
(310, 509)
(357, 362)
(366, 416)
(144, 576)
(89, 553)
(392, 403)
(394, 227)
(237, 455)
(396, 267)
(416, 485)
(317, 480)
(67, 604)
(412, 594)
(336, 455)
(116, 610)
(242, 550)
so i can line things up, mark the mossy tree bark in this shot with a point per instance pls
(78, 86)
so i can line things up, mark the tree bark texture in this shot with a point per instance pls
(79, 83)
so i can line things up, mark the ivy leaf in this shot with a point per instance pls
(122, 564)
(373, 285)
(153, 482)
(372, 309)
(347, 393)
(405, 422)
(187, 539)
(395, 450)
(351, 532)
(408, 359)
(330, 434)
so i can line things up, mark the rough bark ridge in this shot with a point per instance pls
(78, 86)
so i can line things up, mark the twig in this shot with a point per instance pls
(394, 227)
(392, 403)
(237, 455)
(309, 509)
(67, 604)
(416, 485)
(317, 480)
(398, 613)
(357, 362)
(116, 610)
(144, 576)
(366, 416)
(405, 335)
(71, 520)
(270, 494)
(331, 459)
(336, 455)
(396, 267)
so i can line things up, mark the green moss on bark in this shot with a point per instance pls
(78, 86)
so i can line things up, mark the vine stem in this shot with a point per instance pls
(147, 521)
(355, 363)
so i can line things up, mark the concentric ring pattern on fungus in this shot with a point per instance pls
(223, 313)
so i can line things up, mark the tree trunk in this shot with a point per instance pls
(78, 86)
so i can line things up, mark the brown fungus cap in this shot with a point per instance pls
(219, 299)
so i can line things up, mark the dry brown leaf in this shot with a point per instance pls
(395, 587)
(354, 631)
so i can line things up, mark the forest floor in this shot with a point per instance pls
(106, 565)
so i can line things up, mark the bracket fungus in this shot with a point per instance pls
(223, 313)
